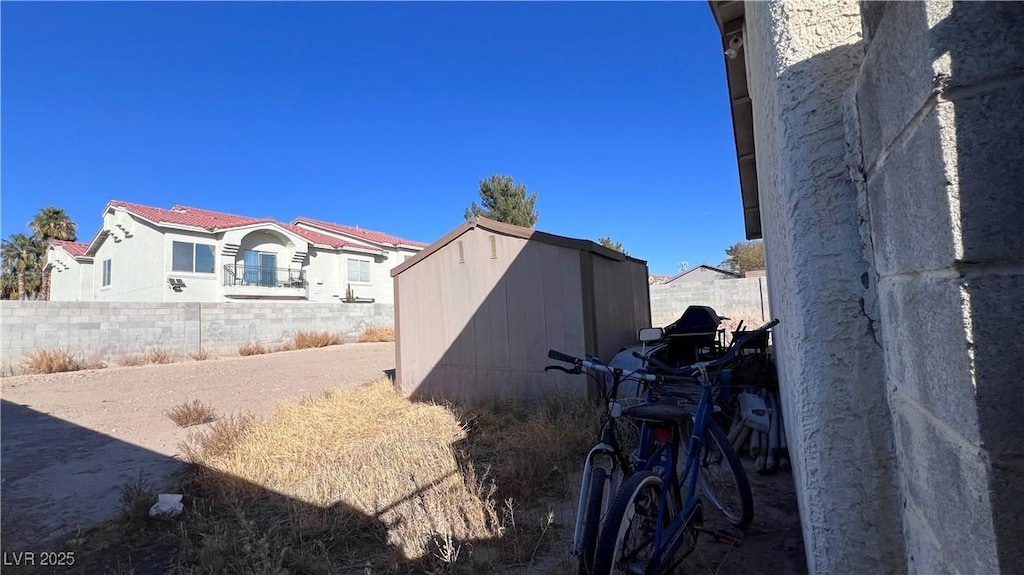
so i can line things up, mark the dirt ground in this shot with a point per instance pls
(71, 440)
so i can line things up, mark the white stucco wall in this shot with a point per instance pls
(898, 269)
(137, 262)
(66, 276)
(198, 286)
(801, 58)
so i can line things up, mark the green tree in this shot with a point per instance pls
(22, 257)
(612, 245)
(51, 223)
(745, 256)
(506, 201)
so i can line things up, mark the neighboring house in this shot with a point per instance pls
(477, 311)
(368, 277)
(70, 271)
(702, 273)
(143, 253)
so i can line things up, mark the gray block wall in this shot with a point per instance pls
(745, 297)
(104, 331)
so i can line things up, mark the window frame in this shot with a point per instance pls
(108, 273)
(194, 258)
(361, 262)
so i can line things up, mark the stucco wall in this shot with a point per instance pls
(70, 279)
(890, 156)
(801, 58)
(108, 330)
(746, 297)
(137, 263)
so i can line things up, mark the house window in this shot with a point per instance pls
(106, 273)
(190, 257)
(359, 271)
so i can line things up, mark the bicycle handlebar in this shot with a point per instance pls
(559, 356)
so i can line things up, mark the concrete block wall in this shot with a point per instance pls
(802, 56)
(746, 297)
(109, 330)
(939, 104)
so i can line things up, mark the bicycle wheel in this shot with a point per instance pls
(626, 544)
(592, 520)
(722, 479)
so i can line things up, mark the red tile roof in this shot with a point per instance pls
(213, 221)
(368, 235)
(73, 248)
(318, 238)
(186, 216)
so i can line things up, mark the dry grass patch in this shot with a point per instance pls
(355, 459)
(369, 481)
(201, 355)
(191, 413)
(158, 356)
(376, 333)
(51, 361)
(255, 348)
(308, 339)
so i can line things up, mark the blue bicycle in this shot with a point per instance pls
(654, 520)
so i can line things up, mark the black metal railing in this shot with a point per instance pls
(243, 275)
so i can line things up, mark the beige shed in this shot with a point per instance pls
(477, 310)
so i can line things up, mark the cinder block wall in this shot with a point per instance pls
(744, 296)
(938, 112)
(108, 330)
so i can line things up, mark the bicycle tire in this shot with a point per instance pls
(637, 494)
(591, 521)
(719, 462)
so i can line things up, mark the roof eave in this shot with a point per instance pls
(729, 15)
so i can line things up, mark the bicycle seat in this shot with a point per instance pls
(667, 410)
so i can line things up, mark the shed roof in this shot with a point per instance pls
(517, 232)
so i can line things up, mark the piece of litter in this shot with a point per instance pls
(168, 505)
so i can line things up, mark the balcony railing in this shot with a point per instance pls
(243, 275)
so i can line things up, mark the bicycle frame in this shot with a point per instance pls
(618, 466)
(668, 539)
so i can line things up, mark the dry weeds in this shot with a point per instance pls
(201, 355)
(369, 481)
(255, 348)
(308, 339)
(51, 361)
(158, 355)
(377, 333)
(191, 413)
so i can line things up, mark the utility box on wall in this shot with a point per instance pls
(477, 311)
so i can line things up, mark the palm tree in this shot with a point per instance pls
(22, 256)
(52, 224)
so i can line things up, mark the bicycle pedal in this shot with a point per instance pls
(725, 536)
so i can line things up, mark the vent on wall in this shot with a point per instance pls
(494, 248)
(462, 253)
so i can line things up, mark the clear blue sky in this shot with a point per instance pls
(382, 115)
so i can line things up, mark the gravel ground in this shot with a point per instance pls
(71, 440)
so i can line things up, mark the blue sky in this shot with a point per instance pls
(382, 115)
